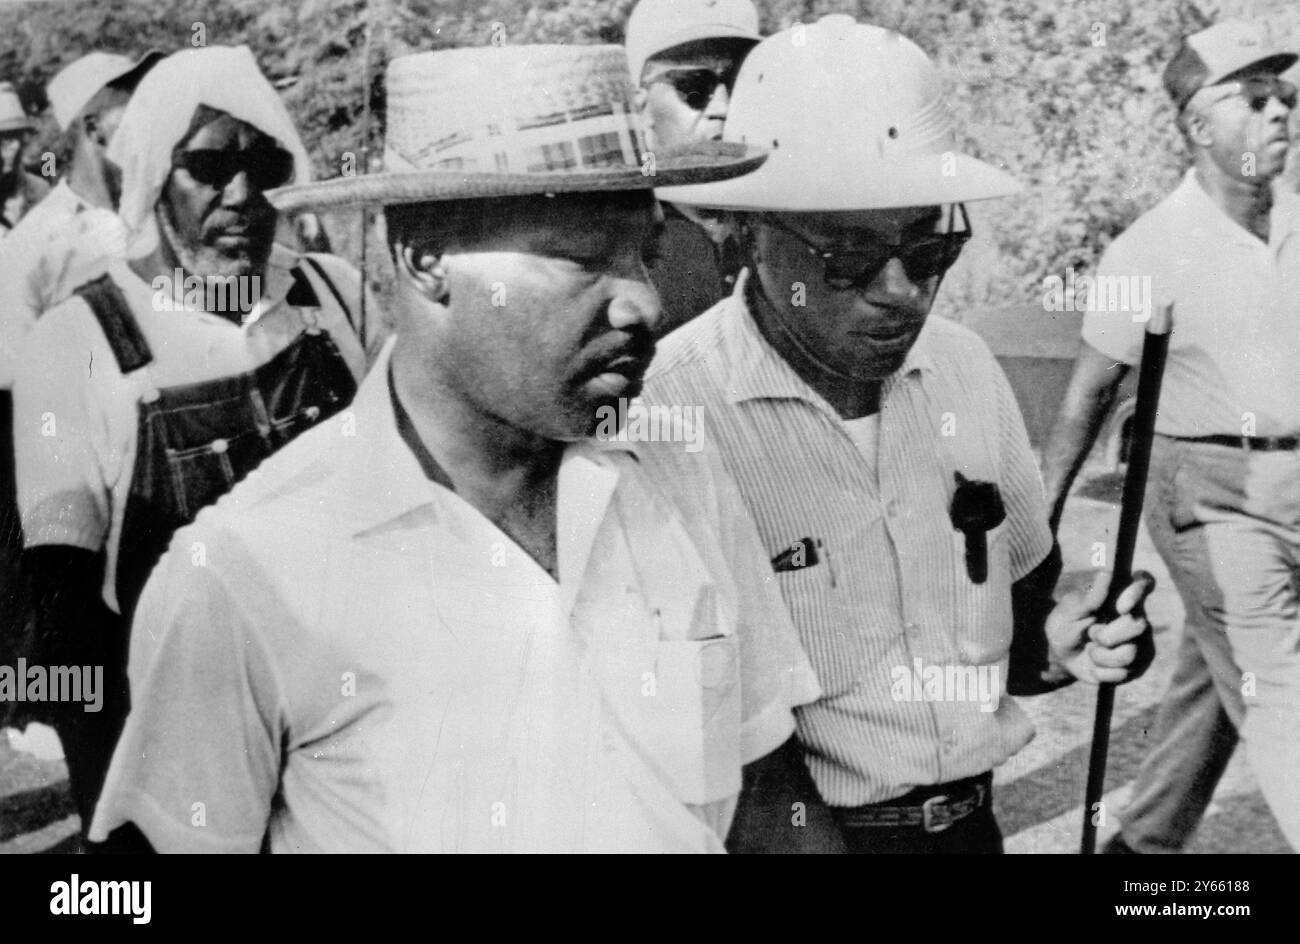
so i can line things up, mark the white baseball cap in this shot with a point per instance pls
(853, 117)
(656, 26)
(78, 82)
(13, 117)
(1216, 53)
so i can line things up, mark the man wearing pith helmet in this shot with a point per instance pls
(684, 55)
(880, 451)
(463, 622)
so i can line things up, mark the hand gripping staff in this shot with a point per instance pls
(1154, 349)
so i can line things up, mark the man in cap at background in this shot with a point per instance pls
(684, 55)
(20, 193)
(67, 239)
(19, 190)
(207, 351)
(475, 625)
(881, 452)
(1222, 504)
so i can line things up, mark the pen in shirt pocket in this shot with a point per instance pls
(804, 553)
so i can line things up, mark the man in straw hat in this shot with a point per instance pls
(1223, 506)
(881, 452)
(19, 190)
(154, 388)
(463, 622)
(684, 56)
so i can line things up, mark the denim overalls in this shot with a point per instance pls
(195, 441)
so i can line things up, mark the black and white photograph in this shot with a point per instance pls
(651, 426)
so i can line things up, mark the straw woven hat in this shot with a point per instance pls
(512, 121)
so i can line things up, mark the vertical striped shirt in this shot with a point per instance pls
(883, 598)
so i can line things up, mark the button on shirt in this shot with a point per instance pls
(889, 584)
(60, 245)
(76, 414)
(366, 663)
(1236, 336)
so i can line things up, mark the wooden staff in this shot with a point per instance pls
(1154, 348)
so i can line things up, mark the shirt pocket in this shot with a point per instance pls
(695, 734)
(982, 617)
(836, 640)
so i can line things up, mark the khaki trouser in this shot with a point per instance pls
(1227, 524)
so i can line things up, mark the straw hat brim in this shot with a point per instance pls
(700, 164)
(920, 180)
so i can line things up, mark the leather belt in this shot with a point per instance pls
(1249, 443)
(947, 803)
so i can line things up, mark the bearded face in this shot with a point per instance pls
(213, 212)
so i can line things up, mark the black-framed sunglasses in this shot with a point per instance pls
(922, 258)
(267, 168)
(1257, 90)
(696, 86)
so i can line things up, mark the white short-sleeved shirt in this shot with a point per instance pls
(885, 583)
(360, 661)
(61, 244)
(1235, 344)
(76, 415)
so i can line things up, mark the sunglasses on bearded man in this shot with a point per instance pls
(856, 267)
(266, 167)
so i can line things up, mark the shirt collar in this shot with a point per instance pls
(1283, 222)
(381, 477)
(63, 196)
(755, 370)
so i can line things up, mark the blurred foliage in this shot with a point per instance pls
(1066, 96)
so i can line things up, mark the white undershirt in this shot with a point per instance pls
(865, 433)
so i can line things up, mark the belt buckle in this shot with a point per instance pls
(935, 817)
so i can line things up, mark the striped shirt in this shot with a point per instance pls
(883, 597)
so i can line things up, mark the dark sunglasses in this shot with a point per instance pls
(696, 86)
(1258, 91)
(922, 258)
(267, 168)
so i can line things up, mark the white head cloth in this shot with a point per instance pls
(222, 77)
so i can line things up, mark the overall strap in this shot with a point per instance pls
(118, 324)
(319, 271)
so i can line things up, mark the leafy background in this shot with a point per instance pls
(1085, 125)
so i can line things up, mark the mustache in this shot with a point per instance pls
(635, 347)
(229, 221)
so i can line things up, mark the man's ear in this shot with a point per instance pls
(640, 96)
(426, 271)
(1198, 130)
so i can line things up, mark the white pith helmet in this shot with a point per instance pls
(853, 118)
